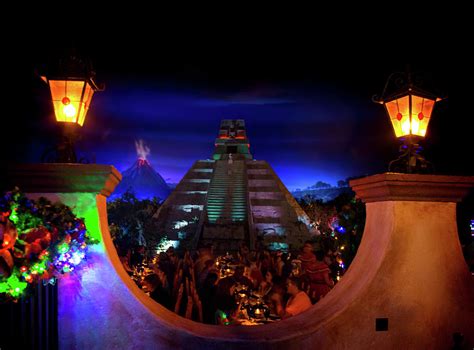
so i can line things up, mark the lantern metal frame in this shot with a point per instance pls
(397, 86)
(71, 68)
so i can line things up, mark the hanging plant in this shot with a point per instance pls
(39, 241)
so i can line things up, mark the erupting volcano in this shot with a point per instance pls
(142, 179)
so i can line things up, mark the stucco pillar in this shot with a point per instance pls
(421, 283)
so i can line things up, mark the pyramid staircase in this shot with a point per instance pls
(226, 220)
(227, 196)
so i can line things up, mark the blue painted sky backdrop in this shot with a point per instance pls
(307, 135)
(312, 119)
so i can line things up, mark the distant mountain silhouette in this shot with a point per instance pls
(143, 181)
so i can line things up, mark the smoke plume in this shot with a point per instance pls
(142, 149)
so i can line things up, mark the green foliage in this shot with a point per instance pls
(39, 241)
(319, 212)
(351, 216)
(341, 224)
(132, 222)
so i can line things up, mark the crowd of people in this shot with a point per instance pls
(205, 288)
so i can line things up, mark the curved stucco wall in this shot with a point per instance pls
(409, 269)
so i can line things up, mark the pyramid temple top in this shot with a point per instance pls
(232, 139)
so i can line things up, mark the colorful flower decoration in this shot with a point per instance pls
(39, 241)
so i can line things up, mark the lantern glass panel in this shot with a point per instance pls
(66, 96)
(86, 100)
(421, 113)
(399, 113)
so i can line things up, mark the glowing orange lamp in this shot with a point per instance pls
(72, 86)
(409, 109)
(410, 112)
(71, 99)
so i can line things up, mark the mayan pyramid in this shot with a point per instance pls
(233, 199)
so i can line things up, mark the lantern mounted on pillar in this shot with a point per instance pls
(409, 109)
(72, 86)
